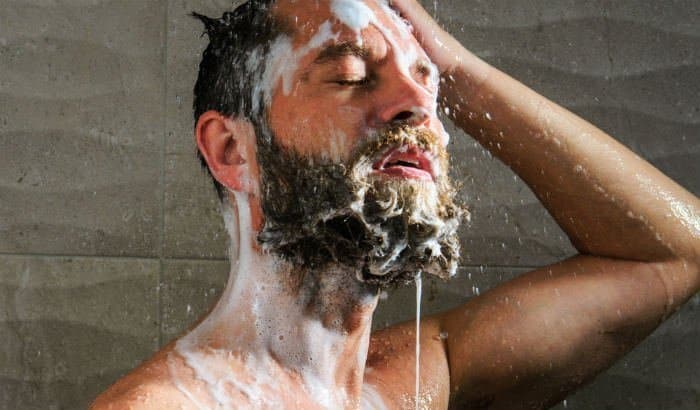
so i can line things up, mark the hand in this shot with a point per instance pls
(443, 49)
(451, 58)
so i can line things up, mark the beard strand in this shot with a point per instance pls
(384, 229)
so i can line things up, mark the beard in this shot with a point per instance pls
(385, 229)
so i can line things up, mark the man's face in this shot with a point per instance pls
(356, 173)
(356, 68)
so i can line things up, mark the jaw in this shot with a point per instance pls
(379, 228)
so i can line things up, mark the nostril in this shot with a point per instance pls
(402, 116)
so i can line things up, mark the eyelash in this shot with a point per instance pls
(424, 70)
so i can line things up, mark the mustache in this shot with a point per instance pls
(285, 172)
(379, 142)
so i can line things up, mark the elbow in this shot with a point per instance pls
(680, 279)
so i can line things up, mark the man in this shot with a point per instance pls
(317, 119)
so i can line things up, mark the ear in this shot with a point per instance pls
(228, 147)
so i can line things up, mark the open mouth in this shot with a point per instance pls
(406, 161)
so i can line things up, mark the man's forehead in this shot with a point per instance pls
(332, 28)
(302, 18)
(295, 15)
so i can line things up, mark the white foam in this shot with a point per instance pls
(404, 26)
(178, 385)
(281, 340)
(283, 62)
(354, 14)
(370, 399)
(212, 365)
(211, 372)
(383, 269)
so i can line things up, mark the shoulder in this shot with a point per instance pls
(395, 344)
(147, 387)
(148, 396)
(390, 370)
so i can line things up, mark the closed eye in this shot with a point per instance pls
(353, 83)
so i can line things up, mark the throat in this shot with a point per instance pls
(312, 327)
(317, 336)
(321, 333)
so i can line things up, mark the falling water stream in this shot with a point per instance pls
(419, 296)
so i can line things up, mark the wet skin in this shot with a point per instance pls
(357, 93)
(525, 344)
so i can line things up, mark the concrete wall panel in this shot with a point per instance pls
(69, 327)
(110, 238)
(81, 126)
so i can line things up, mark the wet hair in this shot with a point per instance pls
(226, 76)
(319, 213)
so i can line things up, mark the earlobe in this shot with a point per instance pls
(227, 146)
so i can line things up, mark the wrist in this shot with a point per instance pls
(463, 80)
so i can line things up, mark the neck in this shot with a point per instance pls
(312, 325)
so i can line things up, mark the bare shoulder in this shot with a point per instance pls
(147, 387)
(390, 371)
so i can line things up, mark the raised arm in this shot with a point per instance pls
(638, 233)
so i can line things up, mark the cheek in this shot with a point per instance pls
(324, 129)
(292, 122)
(340, 130)
(331, 134)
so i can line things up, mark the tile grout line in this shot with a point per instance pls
(74, 256)
(162, 258)
(110, 257)
(161, 253)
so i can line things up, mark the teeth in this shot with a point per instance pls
(403, 163)
(401, 157)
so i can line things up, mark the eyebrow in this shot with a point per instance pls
(339, 50)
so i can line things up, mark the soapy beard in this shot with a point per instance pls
(384, 229)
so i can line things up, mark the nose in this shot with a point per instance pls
(404, 101)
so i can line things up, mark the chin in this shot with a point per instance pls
(392, 230)
(378, 217)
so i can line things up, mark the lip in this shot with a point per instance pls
(406, 161)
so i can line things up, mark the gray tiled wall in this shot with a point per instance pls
(110, 238)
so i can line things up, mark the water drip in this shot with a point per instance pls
(419, 296)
